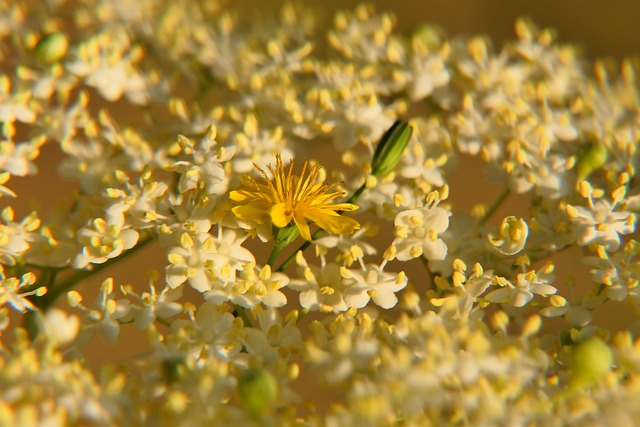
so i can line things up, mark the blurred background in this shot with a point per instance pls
(599, 28)
(603, 28)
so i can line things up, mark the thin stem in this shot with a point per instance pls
(240, 311)
(274, 255)
(47, 300)
(163, 321)
(355, 196)
(496, 204)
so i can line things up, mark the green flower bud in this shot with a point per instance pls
(51, 48)
(390, 148)
(429, 35)
(591, 157)
(258, 390)
(590, 360)
(286, 235)
(173, 368)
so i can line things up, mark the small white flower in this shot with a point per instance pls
(599, 223)
(16, 238)
(321, 287)
(15, 107)
(417, 232)
(577, 312)
(362, 120)
(372, 283)
(207, 262)
(427, 153)
(465, 290)
(106, 62)
(18, 159)
(104, 239)
(512, 236)
(104, 318)
(148, 306)
(12, 293)
(201, 165)
(526, 285)
(252, 286)
(427, 70)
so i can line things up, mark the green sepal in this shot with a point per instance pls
(390, 148)
(286, 235)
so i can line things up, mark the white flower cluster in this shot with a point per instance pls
(402, 308)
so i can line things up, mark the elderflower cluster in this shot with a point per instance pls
(293, 185)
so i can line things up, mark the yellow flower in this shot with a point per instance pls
(287, 197)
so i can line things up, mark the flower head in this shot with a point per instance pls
(287, 197)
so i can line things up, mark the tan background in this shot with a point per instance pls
(602, 28)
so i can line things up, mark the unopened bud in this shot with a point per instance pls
(590, 158)
(590, 360)
(390, 148)
(51, 48)
(258, 390)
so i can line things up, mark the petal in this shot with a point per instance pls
(274, 299)
(303, 226)
(357, 298)
(199, 281)
(249, 212)
(309, 299)
(385, 298)
(280, 216)
(543, 289)
(176, 275)
(498, 295)
(520, 297)
(129, 238)
(333, 222)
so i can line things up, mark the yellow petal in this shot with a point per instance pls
(346, 207)
(302, 225)
(334, 223)
(238, 196)
(279, 215)
(249, 212)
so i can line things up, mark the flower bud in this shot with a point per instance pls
(286, 235)
(258, 390)
(51, 48)
(590, 360)
(429, 35)
(390, 148)
(590, 159)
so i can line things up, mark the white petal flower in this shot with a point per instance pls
(104, 239)
(599, 223)
(512, 236)
(417, 232)
(372, 282)
(526, 285)
(321, 288)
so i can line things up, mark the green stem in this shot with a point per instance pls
(240, 311)
(274, 255)
(47, 300)
(496, 204)
(354, 197)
